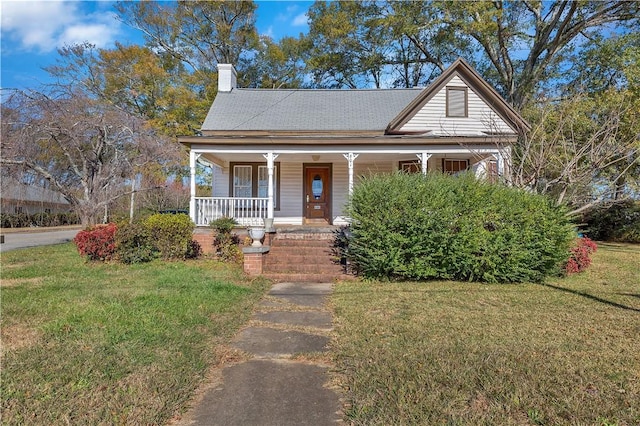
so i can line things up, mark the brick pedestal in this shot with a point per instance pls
(254, 259)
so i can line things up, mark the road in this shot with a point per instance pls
(16, 240)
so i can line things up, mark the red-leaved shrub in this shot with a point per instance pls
(580, 257)
(97, 243)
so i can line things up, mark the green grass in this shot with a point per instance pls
(92, 343)
(562, 353)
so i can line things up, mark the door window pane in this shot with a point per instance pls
(316, 187)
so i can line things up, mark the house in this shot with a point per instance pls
(19, 198)
(294, 155)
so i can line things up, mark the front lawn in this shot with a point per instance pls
(92, 343)
(565, 352)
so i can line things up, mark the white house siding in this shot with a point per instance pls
(220, 182)
(432, 116)
(291, 182)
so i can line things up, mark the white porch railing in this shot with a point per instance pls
(246, 211)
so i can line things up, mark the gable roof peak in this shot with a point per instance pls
(474, 80)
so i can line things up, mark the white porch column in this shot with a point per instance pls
(350, 159)
(506, 165)
(424, 157)
(270, 156)
(499, 164)
(192, 199)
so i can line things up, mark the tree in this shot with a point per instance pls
(275, 65)
(152, 86)
(201, 34)
(526, 45)
(85, 148)
(582, 151)
(522, 47)
(344, 49)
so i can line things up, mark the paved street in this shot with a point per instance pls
(16, 240)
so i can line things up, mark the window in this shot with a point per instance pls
(263, 181)
(411, 166)
(492, 171)
(457, 102)
(454, 166)
(242, 182)
(252, 180)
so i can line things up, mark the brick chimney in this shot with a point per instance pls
(226, 77)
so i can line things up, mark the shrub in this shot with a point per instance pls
(194, 250)
(22, 220)
(412, 227)
(225, 242)
(15, 220)
(97, 243)
(580, 257)
(171, 234)
(620, 222)
(340, 249)
(133, 243)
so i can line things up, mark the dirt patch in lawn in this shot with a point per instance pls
(14, 282)
(17, 336)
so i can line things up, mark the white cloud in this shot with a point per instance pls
(300, 20)
(44, 26)
(268, 32)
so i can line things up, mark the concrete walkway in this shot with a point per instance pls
(282, 380)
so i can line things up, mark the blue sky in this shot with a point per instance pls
(33, 30)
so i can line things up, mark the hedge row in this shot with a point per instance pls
(23, 220)
(165, 236)
(412, 227)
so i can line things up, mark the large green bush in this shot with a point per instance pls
(412, 227)
(171, 235)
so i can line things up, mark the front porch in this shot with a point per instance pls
(313, 186)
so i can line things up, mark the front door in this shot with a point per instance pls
(317, 194)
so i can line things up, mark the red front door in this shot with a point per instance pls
(317, 194)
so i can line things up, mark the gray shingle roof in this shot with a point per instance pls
(306, 110)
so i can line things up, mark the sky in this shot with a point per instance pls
(31, 31)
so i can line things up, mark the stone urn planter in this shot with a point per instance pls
(257, 234)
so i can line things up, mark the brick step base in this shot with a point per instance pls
(304, 256)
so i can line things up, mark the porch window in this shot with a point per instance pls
(457, 102)
(242, 184)
(252, 180)
(411, 166)
(452, 166)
